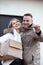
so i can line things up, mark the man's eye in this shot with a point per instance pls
(23, 20)
(27, 20)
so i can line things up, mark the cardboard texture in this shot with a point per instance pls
(15, 44)
(12, 49)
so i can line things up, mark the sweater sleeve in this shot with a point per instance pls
(40, 36)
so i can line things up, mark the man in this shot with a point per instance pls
(30, 38)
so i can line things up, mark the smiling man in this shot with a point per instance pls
(30, 39)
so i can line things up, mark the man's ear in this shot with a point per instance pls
(32, 21)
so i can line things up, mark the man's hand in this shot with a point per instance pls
(37, 28)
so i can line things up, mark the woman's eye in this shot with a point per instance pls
(17, 24)
(13, 23)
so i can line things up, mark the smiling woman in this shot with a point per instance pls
(13, 28)
(4, 20)
(13, 33)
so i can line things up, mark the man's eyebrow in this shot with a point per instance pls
(23, 20)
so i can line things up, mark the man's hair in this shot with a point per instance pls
(28, 14)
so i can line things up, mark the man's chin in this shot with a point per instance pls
(25, 26)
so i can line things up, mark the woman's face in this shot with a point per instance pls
(16, 25)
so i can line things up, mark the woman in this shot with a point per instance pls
(13, 33)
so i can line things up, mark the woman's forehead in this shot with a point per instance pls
(14, 21)
(18, 22)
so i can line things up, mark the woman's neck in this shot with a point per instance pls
(17, 30)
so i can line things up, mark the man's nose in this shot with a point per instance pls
(25, 22)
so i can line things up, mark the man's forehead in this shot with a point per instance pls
(27, 17)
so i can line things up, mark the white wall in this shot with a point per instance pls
(19, 7)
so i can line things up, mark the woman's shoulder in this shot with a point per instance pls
(7, 30)
(9, 34)
(6, 35)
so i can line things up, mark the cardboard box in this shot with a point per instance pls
(17, 53)
(15, 44)
(11, 48)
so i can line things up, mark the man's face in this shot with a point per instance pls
(27, 21)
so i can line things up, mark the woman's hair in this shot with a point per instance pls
(9, 29)
(12, 21)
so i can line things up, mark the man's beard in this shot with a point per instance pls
(27, 26)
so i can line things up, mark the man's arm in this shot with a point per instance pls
(39, 33)
(40, 36)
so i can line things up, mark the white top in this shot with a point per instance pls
(16, 36)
